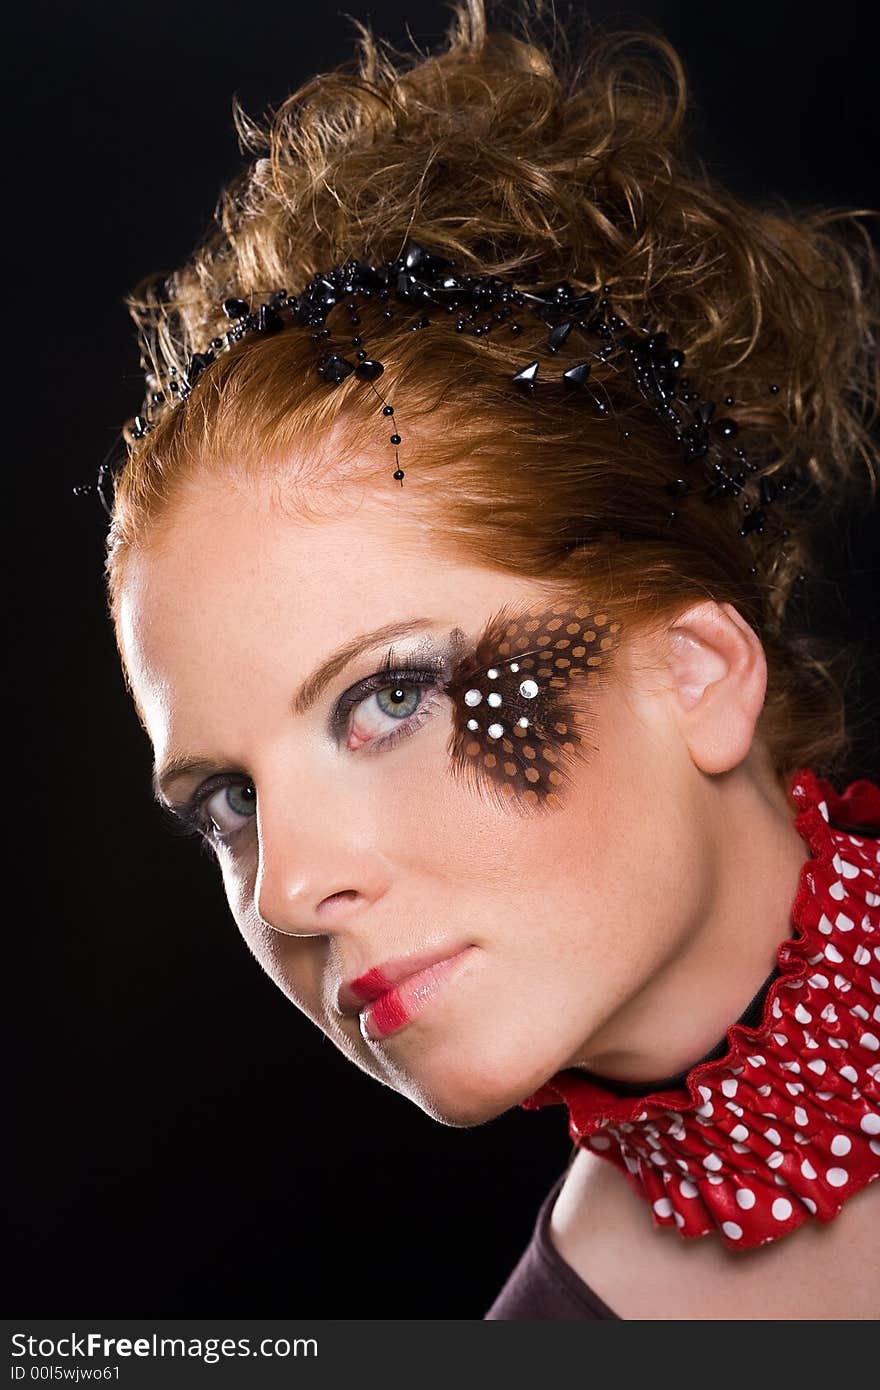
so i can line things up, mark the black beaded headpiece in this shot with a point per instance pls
(713, 460)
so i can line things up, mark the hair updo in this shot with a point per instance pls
(512, 157)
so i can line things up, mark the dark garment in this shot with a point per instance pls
(543, 1287)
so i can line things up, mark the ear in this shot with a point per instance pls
(719, 675)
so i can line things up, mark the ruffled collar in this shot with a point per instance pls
(782, 1122)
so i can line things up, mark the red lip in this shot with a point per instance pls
(380, 979)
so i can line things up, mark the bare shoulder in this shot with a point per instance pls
(605, 1231)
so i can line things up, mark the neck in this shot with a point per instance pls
(757, 859)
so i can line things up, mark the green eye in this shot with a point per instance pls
(398, 701)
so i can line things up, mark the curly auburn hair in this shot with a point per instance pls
(513, 156)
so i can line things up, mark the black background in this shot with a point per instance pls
(185, 1143)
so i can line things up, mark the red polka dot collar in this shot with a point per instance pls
(785, 1124)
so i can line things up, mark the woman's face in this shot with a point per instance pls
(342, 851)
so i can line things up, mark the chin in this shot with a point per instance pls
(463, 1091)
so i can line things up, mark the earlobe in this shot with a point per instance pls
(719, 680)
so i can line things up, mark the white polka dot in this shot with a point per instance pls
(840, 1145)
(687, 1189)
(599, 1141)
(663, 1206)
(837, 1176)
(775, 1159)
(800, 1115)
(772, 1136)
(802, 1015)
(870, 1124)
(832, 953)
(704, 1111)
(849, 1074)
(781, 1209)
(715, 1179)
(756, 1061)
(810, 1205)
(731, 1230)
(712, 1162)
(729, 1087)
(780, 1038)
(818, 1066)
(807, 1169)
(739, 1134)
(870, 1041)
(659, 1159)
(874, 1146)
(818, 981)
(678, 1218)
(745, 1198)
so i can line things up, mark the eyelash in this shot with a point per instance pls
(189, 819)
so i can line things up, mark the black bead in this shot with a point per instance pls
(679, 487)
(388, 410)
(368, 369)
(355, 319)
(388, 314)
(729, 400)
(559, 335)
(774, 390)
(726, 427)
(395, 438)
(235, 308)
(769, 490)
(577, 375)
(356, 342)
(361, 354)
(527, 376)
(398, 474)
(334, 368)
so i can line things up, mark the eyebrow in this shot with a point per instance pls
(179, 765)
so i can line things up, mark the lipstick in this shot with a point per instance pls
(391, 1005)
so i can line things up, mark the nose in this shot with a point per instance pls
(318, 866)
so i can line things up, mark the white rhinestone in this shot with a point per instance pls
(514, 665)
(495, 730)
(492, 673)
(523, 722)
(494, 699)
(472, 697)
(472, 724)
(528, 689)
